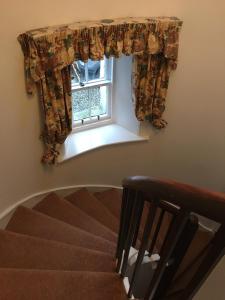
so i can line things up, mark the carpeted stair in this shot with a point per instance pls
(30, 222)
(60, 209)
(23, 251)
(63, 249)
(20, 284)
(94, 208)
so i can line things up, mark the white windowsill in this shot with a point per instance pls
(84, 141)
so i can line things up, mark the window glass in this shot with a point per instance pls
(91, 90)
(89, 102)
(78, 72)
(83, 73)
(93, 68)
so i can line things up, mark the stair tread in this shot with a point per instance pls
(26, 252)
(111, 199)
(31, 222)
(59, 208)
(93, 207)
(60, 285)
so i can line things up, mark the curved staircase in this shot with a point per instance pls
(63, 248)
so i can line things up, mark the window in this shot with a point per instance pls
(91, 92)
(88, 106)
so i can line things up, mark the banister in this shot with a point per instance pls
(201, 201)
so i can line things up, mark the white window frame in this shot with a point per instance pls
(101, 120)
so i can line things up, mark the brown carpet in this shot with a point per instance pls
(30, 222)
(23, 251)
(58, 208)
(94, 208)
(59, 285)
(111, 199)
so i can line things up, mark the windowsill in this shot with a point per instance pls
(85, 141)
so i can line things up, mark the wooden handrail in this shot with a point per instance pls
(203, 202)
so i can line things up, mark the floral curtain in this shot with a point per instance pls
(50, 51)
(150, 83)
(55, 96)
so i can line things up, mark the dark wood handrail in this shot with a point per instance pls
(201, 201)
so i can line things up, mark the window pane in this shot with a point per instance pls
(78, 72)
(89, 102)
(83, 73)
(98, 98)
(93, 69)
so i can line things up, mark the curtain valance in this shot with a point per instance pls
(56, 47)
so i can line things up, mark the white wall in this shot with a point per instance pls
(123, 108)
(191, 149)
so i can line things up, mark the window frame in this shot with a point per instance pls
(101, 120)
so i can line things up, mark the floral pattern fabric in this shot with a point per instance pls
(150, 83)
(49, 51)
(55, 96)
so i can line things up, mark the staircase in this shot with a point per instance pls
(63, 248)
(72, 248)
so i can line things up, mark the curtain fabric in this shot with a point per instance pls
(55, 96)
(50, 51)
(150, 84)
